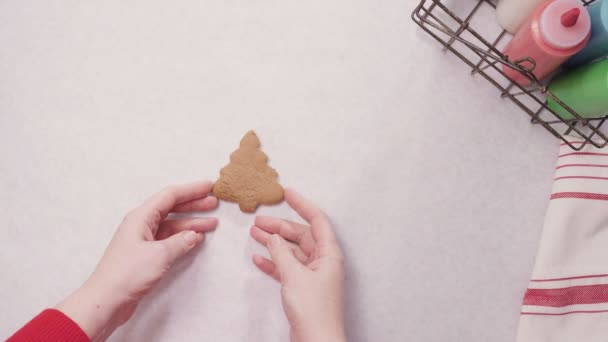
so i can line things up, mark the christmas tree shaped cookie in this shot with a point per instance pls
(247, 179)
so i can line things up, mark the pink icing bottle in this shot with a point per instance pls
(556, 30)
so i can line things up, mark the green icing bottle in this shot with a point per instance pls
(584, 89)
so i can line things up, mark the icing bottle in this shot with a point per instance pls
(511, 14)
(598, 43)
(584, 89)
(556, 30)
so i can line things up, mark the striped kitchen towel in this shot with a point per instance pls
(567, 298)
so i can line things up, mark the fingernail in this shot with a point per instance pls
(191, 238)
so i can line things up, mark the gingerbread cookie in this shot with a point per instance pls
(247, 179)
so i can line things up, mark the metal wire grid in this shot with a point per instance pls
(434, 17)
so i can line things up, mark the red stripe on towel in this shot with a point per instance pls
(580, 195)
(582, 154)
(590, 294)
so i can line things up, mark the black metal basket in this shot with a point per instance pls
(454, 30)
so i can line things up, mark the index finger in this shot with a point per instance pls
(319, 224)
(162, 202)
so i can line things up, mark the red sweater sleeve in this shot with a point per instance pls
(50, 326)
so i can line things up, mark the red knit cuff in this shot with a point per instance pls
(50, 326)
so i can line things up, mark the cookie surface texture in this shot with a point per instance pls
(247, 179)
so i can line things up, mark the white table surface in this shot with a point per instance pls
(437, 187)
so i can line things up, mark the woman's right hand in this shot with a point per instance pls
(308, 263)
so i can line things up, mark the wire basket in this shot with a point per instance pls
(453, 28)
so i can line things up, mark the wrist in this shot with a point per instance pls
(92, 309)
(323, 332)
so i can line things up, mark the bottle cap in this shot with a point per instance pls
(564, 24)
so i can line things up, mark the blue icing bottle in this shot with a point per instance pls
(598, 43)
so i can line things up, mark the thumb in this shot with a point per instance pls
(281, 255)
(179, 244)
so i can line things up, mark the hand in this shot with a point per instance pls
(142, 250)
(308, 263)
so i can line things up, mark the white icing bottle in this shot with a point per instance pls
(511, 14)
